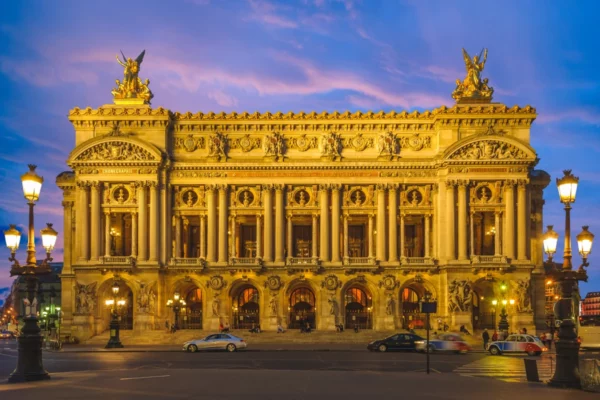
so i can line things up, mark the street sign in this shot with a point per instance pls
(429, 308)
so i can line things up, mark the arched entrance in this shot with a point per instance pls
(358, 308)
(302, 308)
(246, 309)
(191, 314)
(484, 311)
(410, 298)
(124, 313)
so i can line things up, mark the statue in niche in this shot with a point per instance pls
(389, 305)
(216, 305)
(273, 305)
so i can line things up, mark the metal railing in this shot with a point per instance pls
(122, 260)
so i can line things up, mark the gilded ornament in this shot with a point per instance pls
(359, 142)
(217, 146)
(387, 145)
(303, 143)
(273, 282)
(132, 90)
(246, 143)
(388, 282)
(331, 282)
(487, 150)
(216, 282)
(115, 151)
(274, 145)
(331, 146)
(473, 89)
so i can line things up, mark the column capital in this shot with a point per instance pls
(522, 184)
(267, 187)
(451, 183)
(222, 188)
(209, 188)
(84, 185)
(462, 183)
(279, 187)
(509, 183)
(324, 187)
(68, 204)
(381, 187)
(392, 187)
(336, 187)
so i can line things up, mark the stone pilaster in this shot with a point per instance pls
(96, 215)
(509, 234)
(82, 227)
(335, 223)
(462, 221)
(450, 221)
(142, 222)
(393, 222)
(314, 241)
(107, 237)
(268, 204)
(279, 224)
(134, 234)
(202, 236)
(522, 220)
(324, 193)
(258, 236)
(154, 222)
(223, 223)
(177, 219)
(211, 253)
(381, 222)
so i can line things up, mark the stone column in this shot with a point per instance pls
(427, 234)
(370, 233)
(289, 237)
(324, 190)
(234, 253)
(381, 222)
(258, 236)
(177, 236)
(472, 233)
(440, 222)
(67, 236)
(314, 243)
(462, 221)
(143, 223)
(279, 224)
(522, 221)
(203, 236)
(268, 202)
(402, 240)
(393, 223)
(211, 205)
(509, 234)
(497, 236)
(96, 214)
(335, 223)
(346, 239)
(450, 227)
(154, 221)
(82, 228)
(223, 223)
(134, 234)
(165, 230)
(107, 237)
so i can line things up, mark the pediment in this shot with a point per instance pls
(115, 149)
(490, 148)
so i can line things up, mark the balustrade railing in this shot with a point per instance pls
(121, 260)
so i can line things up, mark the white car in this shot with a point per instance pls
(217, 341)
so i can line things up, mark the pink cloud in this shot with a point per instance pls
(222, 98)
(265, 12)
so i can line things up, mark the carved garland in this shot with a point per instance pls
(115, 151)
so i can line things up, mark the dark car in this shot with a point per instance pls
(399, 341)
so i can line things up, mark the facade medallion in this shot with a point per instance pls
(302, 197)
(273, 283)
(388, 282)
(120, 195)
(331, 282)
(246, 143)
(246, 198)
(190, 198)
(359, 142)
(416, 142)
(217, 282)
(303, 143)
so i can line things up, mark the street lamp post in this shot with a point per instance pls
(503, 324)
(495, 304)
(176, 303)
(567, 346)
(114, 304)
(29, 361)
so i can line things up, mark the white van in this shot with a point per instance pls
(588, 331)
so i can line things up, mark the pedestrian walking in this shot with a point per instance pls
(486, 338)
(495, 336)
(549, 340)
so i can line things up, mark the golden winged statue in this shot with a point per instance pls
(132, 90)
(473, 89)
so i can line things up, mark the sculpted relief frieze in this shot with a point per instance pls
(115, 151)
(189, 143)
(488, 150)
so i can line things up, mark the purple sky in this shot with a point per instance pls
(304, 55)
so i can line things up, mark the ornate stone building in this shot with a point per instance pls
(324, 218)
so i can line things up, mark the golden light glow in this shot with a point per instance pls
(109, 302)
(32, 184)
(12, 237)
(584, 242)
(567, 187)
(549, 282)
(49, 236)
(550, 240)
(504, 302)
(512, 302)
(494, 302)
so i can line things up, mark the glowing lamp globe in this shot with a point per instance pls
(584, 242)
(176, 296)
(550, 239)
(13, 238)
(49, 236)
(115, 288)
(32, 184)
(494, 302)
(567, 187)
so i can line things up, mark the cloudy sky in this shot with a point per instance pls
(296, 55)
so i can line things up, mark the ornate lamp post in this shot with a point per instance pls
(495, 304)
(114, 304)
(567, 347)
(176, 303)
(29, 362)
(503, 324)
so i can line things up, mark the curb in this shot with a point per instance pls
(125, 350)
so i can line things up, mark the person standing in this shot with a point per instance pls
(549, 338)
(486, 338)
(495, 336)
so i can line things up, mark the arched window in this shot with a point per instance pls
(409, 296)
(248, 295)
(357, 295)
(302, 295)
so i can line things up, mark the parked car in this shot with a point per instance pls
(7, 335)
(400, 341)
(217, 341)
(529, 344)
(444, 342)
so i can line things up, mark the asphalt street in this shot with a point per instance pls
(276, 374)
